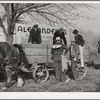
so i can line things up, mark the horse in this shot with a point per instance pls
(12, 57)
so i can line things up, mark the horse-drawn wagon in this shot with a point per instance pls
(17, 57)
(38, 57)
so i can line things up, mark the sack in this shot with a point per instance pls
(56, 46)
(64, 63)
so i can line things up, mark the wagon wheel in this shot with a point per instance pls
(41, 74)
(82, 73)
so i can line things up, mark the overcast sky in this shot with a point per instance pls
(92, 24)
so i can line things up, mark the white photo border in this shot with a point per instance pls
(49, 95)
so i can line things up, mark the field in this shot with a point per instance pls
(90, 83)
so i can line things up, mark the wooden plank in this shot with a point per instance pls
(39, 52)
(35, 46)
(35, 51)
(38, 59)
(42, 59)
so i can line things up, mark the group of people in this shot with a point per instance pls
(60, 47)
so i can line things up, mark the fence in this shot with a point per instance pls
(91, 55)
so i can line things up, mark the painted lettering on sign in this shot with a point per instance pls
(43, 30)
(22, 33)
(23, 29)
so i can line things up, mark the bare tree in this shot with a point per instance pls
(12, 13)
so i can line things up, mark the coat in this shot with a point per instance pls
(79, 40)
(61, 35)
(35, 36)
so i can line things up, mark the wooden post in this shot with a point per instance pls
(47, 54)
(89, 53)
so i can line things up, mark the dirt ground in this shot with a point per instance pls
(90, 83)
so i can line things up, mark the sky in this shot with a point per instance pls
(92, 24)
(85, 24)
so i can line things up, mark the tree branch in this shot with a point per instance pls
(1, 24)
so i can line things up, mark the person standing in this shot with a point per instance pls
(35, 35)
(57, 51)
(80, 44)
(98, 47)
(61, 34)
(60, 48)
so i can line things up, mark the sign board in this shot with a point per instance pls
(47, 32)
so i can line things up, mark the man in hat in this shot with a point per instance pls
(60, 33)
(79, 41)
(98, 46)
(35, 35)
(60, 48)
(57, 51)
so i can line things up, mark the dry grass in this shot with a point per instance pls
(90, 83)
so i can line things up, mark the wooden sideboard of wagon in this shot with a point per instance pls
(39, 59)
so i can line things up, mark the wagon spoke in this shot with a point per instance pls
(38, 79)
(39, 69)
(42, 78)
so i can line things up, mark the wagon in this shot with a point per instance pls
(39, 58)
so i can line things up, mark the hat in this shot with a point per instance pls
(75, 31)
(35, 26)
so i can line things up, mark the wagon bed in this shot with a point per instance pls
(37, 53)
